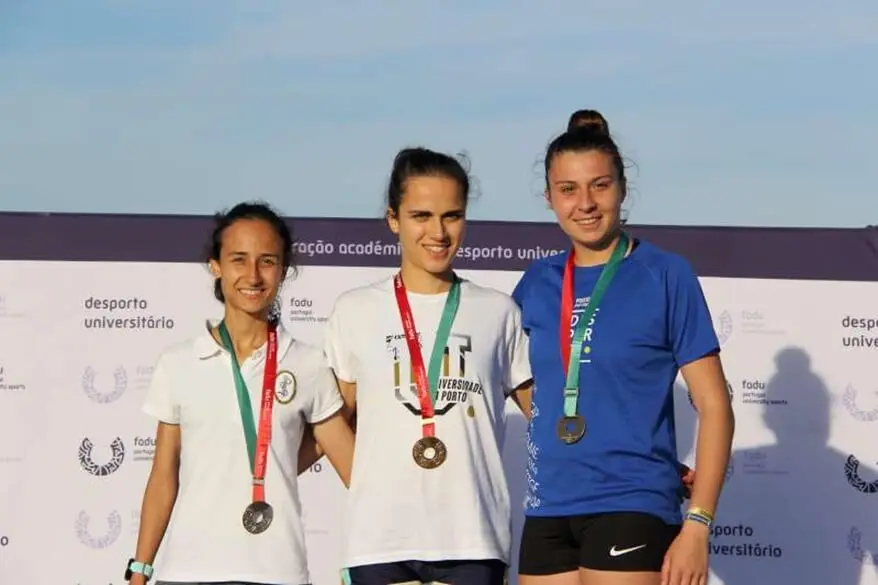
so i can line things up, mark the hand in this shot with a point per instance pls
(687, 474)
(686, 559)
(137, 579)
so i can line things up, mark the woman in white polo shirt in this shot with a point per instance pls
(426, 360)
(232, 405)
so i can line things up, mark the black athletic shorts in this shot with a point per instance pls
(479, 572)
(618, 541)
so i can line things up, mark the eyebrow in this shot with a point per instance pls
(573, 182)
(242, 253)
(426, 212)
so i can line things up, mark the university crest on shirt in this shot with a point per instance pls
(454, 385)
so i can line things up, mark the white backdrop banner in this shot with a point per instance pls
(86, 309)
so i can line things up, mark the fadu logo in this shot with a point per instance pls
(117, 389)
(84, 533)
(117, 456)
(850, 403)
(722, 324)
(852, 473)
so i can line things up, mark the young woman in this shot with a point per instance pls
(595, 120)
(426, 360)
(611, 323)
(231, 406)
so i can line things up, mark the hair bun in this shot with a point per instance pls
(588, 120)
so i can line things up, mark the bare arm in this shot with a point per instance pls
(335, 438)
(716, 428)
(310, 451)
(523, 396)
(160, 494)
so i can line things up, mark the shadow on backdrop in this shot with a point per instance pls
(798, 510)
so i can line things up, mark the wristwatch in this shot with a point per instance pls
(139, 568)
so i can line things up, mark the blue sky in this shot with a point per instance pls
(743, 113)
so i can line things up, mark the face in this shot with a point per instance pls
(586, 194)
(250, 265)
(430, 223)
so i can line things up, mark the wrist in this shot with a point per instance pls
(138, 571)
(693, 528)
(698, 520)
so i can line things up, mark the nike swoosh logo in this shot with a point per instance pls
(614, 552)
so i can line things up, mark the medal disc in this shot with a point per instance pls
(429, 452)
(257, 517)
(571, 429)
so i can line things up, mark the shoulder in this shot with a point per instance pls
(369, 294)
(664, 265)
(486, 296)
(537, 271)
(491, 309)
(182, 355)
(539, 268)
(304, 359)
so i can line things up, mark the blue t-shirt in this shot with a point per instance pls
(652, 320)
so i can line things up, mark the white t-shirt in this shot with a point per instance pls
(193, 386)
(397, 511)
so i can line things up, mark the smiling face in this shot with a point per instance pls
(586, 192)
(430, 222)
(250, 266)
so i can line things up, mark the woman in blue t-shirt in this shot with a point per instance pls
(603, 504)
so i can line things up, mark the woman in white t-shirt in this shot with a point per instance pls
(232, 405)
(428, 500)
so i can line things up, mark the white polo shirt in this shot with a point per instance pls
(397, 511)
(193, 386)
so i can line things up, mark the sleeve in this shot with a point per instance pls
(337, 347)
(690, 327)
(519, 295)
(518, 356)
(326, 400)
(160, 401)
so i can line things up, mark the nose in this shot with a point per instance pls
(585, 200)
(253, 272)
(437, 229)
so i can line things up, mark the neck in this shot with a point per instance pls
(248, 332)
(596, 255)
(420, 281)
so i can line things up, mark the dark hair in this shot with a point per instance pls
(587, 130)
(423, 162)
(588, 119)
(249, 210)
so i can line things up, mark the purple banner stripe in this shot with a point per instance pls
(789, 253)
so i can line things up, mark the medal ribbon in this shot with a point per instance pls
(257, 446)
(428, 387)
(571, 349)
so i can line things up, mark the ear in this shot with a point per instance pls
(624, 190)
(548, 199)
(214, 268)
(392, 221)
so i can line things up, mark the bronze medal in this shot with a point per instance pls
(429, 452)
(570, 429)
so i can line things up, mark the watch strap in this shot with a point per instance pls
(140, 568)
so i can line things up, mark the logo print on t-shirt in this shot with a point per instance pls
(578, 309)
(285, 387)
(454, 386)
